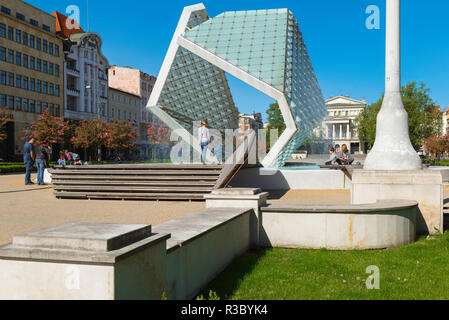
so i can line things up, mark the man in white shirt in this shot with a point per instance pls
(204, 138)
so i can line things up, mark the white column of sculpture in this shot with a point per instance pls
(393, 149)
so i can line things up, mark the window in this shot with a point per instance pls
(2, 54)
(52, 89)
(6, 10)
(50, 69)
(2, 30)
(45, 87)
(10, 56)
(18, 81)
(57, 110)
(25, 83)
(11, 102)
(32, 41)
(52, 109)
(45, 69)
(57, 70)
(25, 61)
(18, 58)
(32, 106)
(32, 63)
(25, 39)
(34, 22)
(45, 27)
(39, 86)
(11, 33)
(57, 90)
(38, 44)
(39, 107)
(112, 113)
(18, 36)
(20, 16)
(3, 100)
(56, 50)
(3, 77)
(44, 106)
(39, 65)
(25, 105)
(45, 46)
(50, 48)
(18, 104)
(11, 79)
(33, 84)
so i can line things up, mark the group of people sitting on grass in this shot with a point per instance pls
(340, 156)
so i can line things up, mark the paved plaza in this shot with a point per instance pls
(26, 208)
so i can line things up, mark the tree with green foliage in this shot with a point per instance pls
(275, 121)
(424, 117)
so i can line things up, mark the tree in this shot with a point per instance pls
(437, 145)
(48, 129)
(424, 116)
(121, 136)
(5, 117)
(90, 135)
(275, 121)
(158, 135)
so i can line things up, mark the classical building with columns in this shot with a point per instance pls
(339, 127)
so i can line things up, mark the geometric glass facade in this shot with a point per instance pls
(263, 48)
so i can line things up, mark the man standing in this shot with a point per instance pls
(42, 156)
(28, 159)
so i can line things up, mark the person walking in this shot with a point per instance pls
(204, 137)
(42, 156)
(28, 159)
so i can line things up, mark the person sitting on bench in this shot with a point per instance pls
(346, 157)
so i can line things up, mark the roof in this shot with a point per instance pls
(66, 26)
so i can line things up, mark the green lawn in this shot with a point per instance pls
(417, 271)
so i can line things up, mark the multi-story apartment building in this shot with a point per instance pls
(31, 69)
(124, 106)
(140, 84)
(85, 72)
(339, 127)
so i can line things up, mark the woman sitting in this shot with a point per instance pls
(346, 157)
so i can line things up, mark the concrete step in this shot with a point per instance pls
(161, 189)
(65, 182)
(136, 172)
(128, 196)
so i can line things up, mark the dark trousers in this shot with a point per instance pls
(29, 167)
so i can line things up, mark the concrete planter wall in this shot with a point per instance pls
(376, 226)
(267, 179)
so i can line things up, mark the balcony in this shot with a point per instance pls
(73, 71)
(71, 90)
(103, 78)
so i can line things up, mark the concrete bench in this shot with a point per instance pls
(372, 226)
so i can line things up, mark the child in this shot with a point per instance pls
(61, 160)
(333, 157)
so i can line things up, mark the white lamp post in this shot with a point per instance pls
(393, 149)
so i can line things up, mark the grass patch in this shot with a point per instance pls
(418, 271)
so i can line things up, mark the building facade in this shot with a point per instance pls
(85, 72)
(252, 121)
(339, 127)
(31, 69)
(124, 106)
(140, 84)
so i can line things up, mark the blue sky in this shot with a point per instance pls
(348, 58)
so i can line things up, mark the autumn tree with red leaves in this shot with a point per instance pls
(90, 135)
(5, 117)
(437, 145)
(121, 135)
(158, 135)
(48, 129)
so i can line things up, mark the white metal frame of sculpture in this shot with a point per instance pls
(262, 48)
